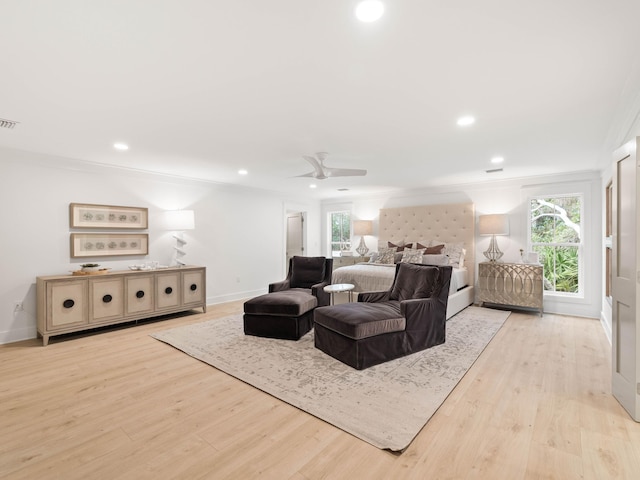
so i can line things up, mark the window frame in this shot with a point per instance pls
(348, 242)
(580, 245)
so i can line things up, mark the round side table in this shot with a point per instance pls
(340, 287)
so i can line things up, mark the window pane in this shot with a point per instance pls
(340, 232)
(555, 220)
(554, 223)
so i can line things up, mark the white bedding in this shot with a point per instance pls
(376, 277)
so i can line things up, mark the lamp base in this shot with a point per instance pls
(362, 248)
(493, 253)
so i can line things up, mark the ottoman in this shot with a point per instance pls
(287, 315)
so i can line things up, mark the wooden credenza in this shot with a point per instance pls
(67, 303)
(512, 284)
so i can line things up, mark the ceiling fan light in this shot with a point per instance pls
(369, 10)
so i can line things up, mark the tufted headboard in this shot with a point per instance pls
(440, 223)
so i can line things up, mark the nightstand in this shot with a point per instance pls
(512, 284)
(345, 261)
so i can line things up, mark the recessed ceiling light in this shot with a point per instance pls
(242, 171)
(369, 10)
(497, 160)
(466, 121)
(121, 146)
(313, 185)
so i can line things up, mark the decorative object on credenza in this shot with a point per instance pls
(495, 224)
(108, 244)
(86, 215)
(179, 221)
(362, 228)
(90, 267)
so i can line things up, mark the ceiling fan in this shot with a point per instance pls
(321, 172)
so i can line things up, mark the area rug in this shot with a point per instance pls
(386, 405)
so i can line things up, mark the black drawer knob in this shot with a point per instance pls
(193, 287)
(107, 298)
(140, 294)
(68, 303)
(168, 290)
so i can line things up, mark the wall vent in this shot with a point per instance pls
(343, 189)
(7, 123)
(494, 170)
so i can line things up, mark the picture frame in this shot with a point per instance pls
(87, 215)
(108, 244)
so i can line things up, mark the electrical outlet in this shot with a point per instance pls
(18, 307)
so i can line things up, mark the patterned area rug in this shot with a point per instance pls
(385, 405)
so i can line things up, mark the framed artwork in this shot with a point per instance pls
(108, 244)
(85, 215)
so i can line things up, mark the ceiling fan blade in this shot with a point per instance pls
(344, 172)
(318, 171)
(310, 174)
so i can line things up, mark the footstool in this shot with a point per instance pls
(287, 314)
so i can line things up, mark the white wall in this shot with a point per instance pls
(239, 234)
(509, 197)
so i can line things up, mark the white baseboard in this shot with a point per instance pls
(18, 335)
(606, 326)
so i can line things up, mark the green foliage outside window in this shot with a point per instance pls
(555, 236)
(340, 232)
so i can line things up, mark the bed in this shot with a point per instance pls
(452, 225)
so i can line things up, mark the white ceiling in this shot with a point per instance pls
(201, 88)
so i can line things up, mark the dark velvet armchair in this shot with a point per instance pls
(286, 312)
(382, 326)
(308, 273)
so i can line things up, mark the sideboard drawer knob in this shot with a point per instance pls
(139, 294)
(107, 298)
(68, 303)
(168, 290)
(193, 287)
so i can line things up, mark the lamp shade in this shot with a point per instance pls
(496, 224)
(362, 227)
(180, 220)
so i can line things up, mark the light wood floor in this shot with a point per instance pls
(120, 404)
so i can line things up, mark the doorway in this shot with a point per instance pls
(295, 235)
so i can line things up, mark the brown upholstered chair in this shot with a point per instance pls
(381, 326)
(287, 310)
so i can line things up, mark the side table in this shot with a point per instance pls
(514, 284)
(340, 287)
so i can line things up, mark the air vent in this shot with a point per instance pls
(343, 189)
(494, 170)
(7, 123)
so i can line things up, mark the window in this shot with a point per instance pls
(555, 232)
(340, 223)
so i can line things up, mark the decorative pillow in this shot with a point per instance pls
(307, 271)
(454, 251)
(400, 245)
(414, 281)
(410, 255)
(373, 258)
(439, 260)
(385, 255)
(435, 250)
